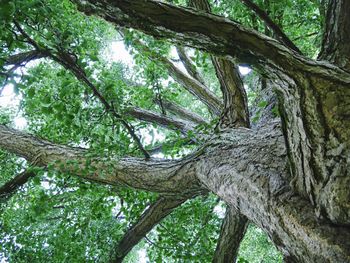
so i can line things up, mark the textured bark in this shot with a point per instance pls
(315, 116)
(150, 218)
(232, 232)
(247, 169)
(335, 47)
(9, 188)
(166, 121)
(155, 175)
(235, 113)
(200, 30)
(252, 179)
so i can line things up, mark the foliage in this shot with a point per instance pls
(59, 217)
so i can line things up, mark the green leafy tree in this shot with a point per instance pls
(177, 156)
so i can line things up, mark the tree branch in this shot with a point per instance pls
(191, 84)
(280, 35)
(9, 188)
(182, 112)
(65, 59)
(24, 57)
(188, 64)
(200, 30)
(166, 121)
(335, 46)
(232, 232)
(150, 218)
(235, 113)
(163, 176)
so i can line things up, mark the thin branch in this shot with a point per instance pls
(79, 73)
(150, 218)
(232, 232)
(68, 61)
(9, 188)
(281, 36)
(192, 85)
(188, 64)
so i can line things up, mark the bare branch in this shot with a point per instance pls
(280, 35)
(164, 176)
(200, 30)
(182, 112)
(165, 121)
(188, 64)
(192, 85)
(232, 232)
(9, 188)
(150, 218)
(235, 113)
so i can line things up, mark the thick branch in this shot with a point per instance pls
(235, 113)
(9, 188)
(25, 57)
(150, 218)
(198, 29)
(163, 176)
(335, 47)
(165, 121)
(182, 112)
(232, 232)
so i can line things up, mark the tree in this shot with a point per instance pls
(288, 175)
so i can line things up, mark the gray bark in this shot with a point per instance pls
(246, 168)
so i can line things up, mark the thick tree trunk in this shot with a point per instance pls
(253, 181)
(247, 169)
(314, 99)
